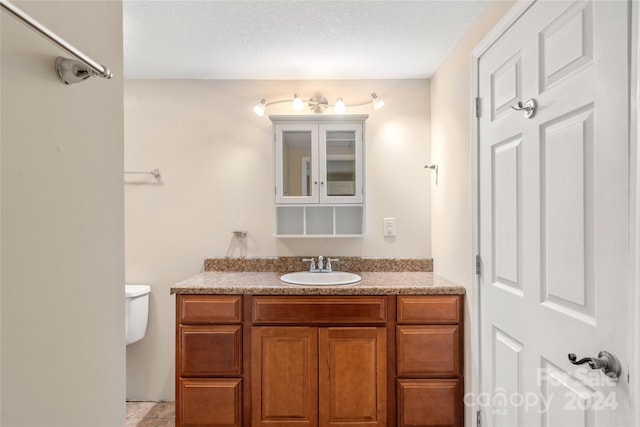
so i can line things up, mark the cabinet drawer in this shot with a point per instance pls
(210, 351)
(209, 309)
(319, 310)
(428, 351)
(209, 402)
(427, 403)
(443, 309)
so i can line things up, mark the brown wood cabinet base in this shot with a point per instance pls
(320, 361)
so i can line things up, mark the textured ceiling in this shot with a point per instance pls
(289, 40)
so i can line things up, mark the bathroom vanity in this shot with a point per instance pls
(253, 351)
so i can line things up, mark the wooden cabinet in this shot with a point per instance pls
(319, 361)
(209, 361)
(317, 375)
(309, 376)
(429, 361)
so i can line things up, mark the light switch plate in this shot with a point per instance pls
(389, 227)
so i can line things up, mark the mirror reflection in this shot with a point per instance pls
(296, 158)
(341, 163)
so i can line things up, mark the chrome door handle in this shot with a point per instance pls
(529, 109)
(606, 361)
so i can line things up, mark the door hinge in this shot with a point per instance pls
(477, 106)
(478, 264)
(479, 419)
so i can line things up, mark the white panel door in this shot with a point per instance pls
(554, 216)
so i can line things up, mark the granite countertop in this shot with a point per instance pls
(268, 283)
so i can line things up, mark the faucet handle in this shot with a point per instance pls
(313, 263)
(329, 263)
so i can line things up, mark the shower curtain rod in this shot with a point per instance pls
(77, 71)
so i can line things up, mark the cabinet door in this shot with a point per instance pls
(340, 163)
(284, 376)
(353, 377)
(296, 161)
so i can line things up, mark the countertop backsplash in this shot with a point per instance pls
(291, 264)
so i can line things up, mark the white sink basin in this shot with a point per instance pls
(320, 279)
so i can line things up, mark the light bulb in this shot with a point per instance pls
(340, 107)
(298, 105)
(260, 107)
(378, 103)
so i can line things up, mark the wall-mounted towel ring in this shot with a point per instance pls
(435, 168)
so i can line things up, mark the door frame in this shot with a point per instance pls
(634, 229)
(518, 9)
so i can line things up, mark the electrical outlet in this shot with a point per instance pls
(389, 227)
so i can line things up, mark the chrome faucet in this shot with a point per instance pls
(322, 268)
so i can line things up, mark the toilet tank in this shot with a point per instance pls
(136, 311)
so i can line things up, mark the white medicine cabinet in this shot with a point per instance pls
(319, 174)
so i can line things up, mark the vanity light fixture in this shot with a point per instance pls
(298, 105)
(378, 103)
(318, 104)
(260, 107)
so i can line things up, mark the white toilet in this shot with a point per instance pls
(136, 311)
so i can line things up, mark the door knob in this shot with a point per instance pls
(606, 361)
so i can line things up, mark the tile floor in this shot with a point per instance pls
(151, 414)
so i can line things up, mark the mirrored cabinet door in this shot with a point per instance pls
(296, 161)
(340, 163)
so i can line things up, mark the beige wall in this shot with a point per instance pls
(62, 272)
(450, 148)
(216, 160)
